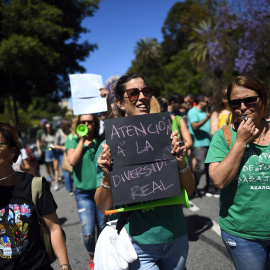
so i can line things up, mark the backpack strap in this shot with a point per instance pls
(36, 191)
(227, 135)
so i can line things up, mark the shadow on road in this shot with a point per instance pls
(196, 225)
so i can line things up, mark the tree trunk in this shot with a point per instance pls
(11, 121)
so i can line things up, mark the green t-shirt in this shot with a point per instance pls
(201, 137)
(161, 225)
(244, 210)
(84, 173)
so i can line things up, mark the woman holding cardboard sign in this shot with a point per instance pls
(164, 227)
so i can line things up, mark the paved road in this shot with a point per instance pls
(207, 251)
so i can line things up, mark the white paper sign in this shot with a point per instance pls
(85, 85)
(89, 105)
(85, 94)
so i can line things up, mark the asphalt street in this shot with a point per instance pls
(206, 249)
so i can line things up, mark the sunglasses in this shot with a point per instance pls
(87, 121)
(235, 104)
(134, 93)
(3, 143)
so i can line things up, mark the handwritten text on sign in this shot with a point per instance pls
(143, 167)
(85, 85)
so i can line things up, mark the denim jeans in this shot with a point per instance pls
(89, 217)
(67, 175)
(247, 254)
(168, 256)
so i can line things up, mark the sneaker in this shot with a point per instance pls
(91, 265)
(71, 193)
(208, 194)
(212, 192)
(56, 187)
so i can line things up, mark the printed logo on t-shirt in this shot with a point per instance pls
(256, 166)
(13, 232)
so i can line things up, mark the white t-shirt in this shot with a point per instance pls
(21, 157)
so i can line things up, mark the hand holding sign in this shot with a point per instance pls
(144, 166)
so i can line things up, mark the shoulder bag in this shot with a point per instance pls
(44, 231)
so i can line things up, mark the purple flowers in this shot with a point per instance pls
(240, 36)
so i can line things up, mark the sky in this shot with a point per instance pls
(116, 27)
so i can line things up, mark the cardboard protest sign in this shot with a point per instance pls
(143, 167)
(85, 93)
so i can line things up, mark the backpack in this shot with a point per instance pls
(227, 135)
(44, 231)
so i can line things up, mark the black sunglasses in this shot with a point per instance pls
(134, 93)
(3, 143)
(235, 104)
(87, 121)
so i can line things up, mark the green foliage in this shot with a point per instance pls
(36, 111)
(205, 44)
(39, 46)
(183, 77)
(180, 23)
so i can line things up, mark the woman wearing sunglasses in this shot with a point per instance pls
(159, 236)
(81, 154)
(241, 169)
(21, 246)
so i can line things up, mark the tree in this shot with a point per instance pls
(240, 42)
(183, 78)
(179, 25)
(148, 53)
(39, 47)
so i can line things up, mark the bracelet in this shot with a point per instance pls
(186, 168)
(68, 266)
(105, 186)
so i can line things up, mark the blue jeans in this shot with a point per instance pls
(168, 256)
(67, 175)
(89, 217)
(49, 155)
(247, 254)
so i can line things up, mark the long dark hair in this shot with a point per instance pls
(12, 139)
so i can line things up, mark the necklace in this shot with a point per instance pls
(7, 176)
(258, 139)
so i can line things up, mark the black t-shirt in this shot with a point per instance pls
(21, 247)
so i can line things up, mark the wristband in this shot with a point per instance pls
(68, 267)
(186, 168)
(105, 186)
